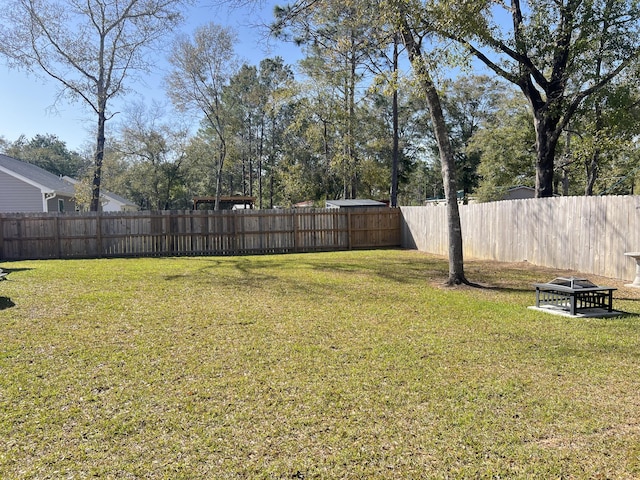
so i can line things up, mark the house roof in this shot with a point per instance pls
(521, 187)
(38, 177)
(118, 198)
(358, 202)
(105, 193)
(305, 204)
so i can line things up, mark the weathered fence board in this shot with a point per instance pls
(194, 232)
(588, 234)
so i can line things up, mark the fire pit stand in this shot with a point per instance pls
(573, 295)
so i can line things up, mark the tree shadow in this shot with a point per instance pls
(11, 270)
(6, 303)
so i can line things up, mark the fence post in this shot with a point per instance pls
(296, 243)
(349, 243)
(56, 235)
(166, 223)
(19, 226)
(235, 230)
(99, 235)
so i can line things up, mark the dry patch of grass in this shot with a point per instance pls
(337, 365)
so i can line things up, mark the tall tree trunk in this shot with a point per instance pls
(592, 171)
(353, 156)
(221, 156)
(396, 152)
(456, 260)
(447, 159)
(566, 161)
(327, 156)
(250, 161)
(243, 180)
(272, 161)
(98, 159)
(260, 153)
(271, 187)
(101, 101)
(593, 164)
(546, 143)
(346, 144)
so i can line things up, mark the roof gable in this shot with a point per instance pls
(47, 182)
(358, 202)
(117, 198)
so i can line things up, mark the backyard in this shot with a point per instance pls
(326, 365)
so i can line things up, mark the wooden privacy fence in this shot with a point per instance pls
(192, 232)
(588, 234)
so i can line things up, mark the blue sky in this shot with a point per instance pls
(27, 102)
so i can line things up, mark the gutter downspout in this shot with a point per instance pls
(45, 199)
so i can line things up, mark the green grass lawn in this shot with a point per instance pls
(339, 365)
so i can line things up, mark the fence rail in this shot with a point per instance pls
(192, 232)
(587, 234)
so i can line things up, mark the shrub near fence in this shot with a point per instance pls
(193, 232)
(588, 234)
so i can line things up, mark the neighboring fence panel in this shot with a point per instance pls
(588, 234)
(192, 232)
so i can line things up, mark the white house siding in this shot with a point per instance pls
(18, 196)
(112, 206)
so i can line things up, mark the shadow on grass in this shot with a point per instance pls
(6, 303)
(11, 270)
(4, 273)
(627, 298)
(504, 289)
(250, 271)
(432, 271)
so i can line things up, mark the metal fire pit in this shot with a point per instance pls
(573, 295)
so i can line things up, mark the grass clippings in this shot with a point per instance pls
(336, 365)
